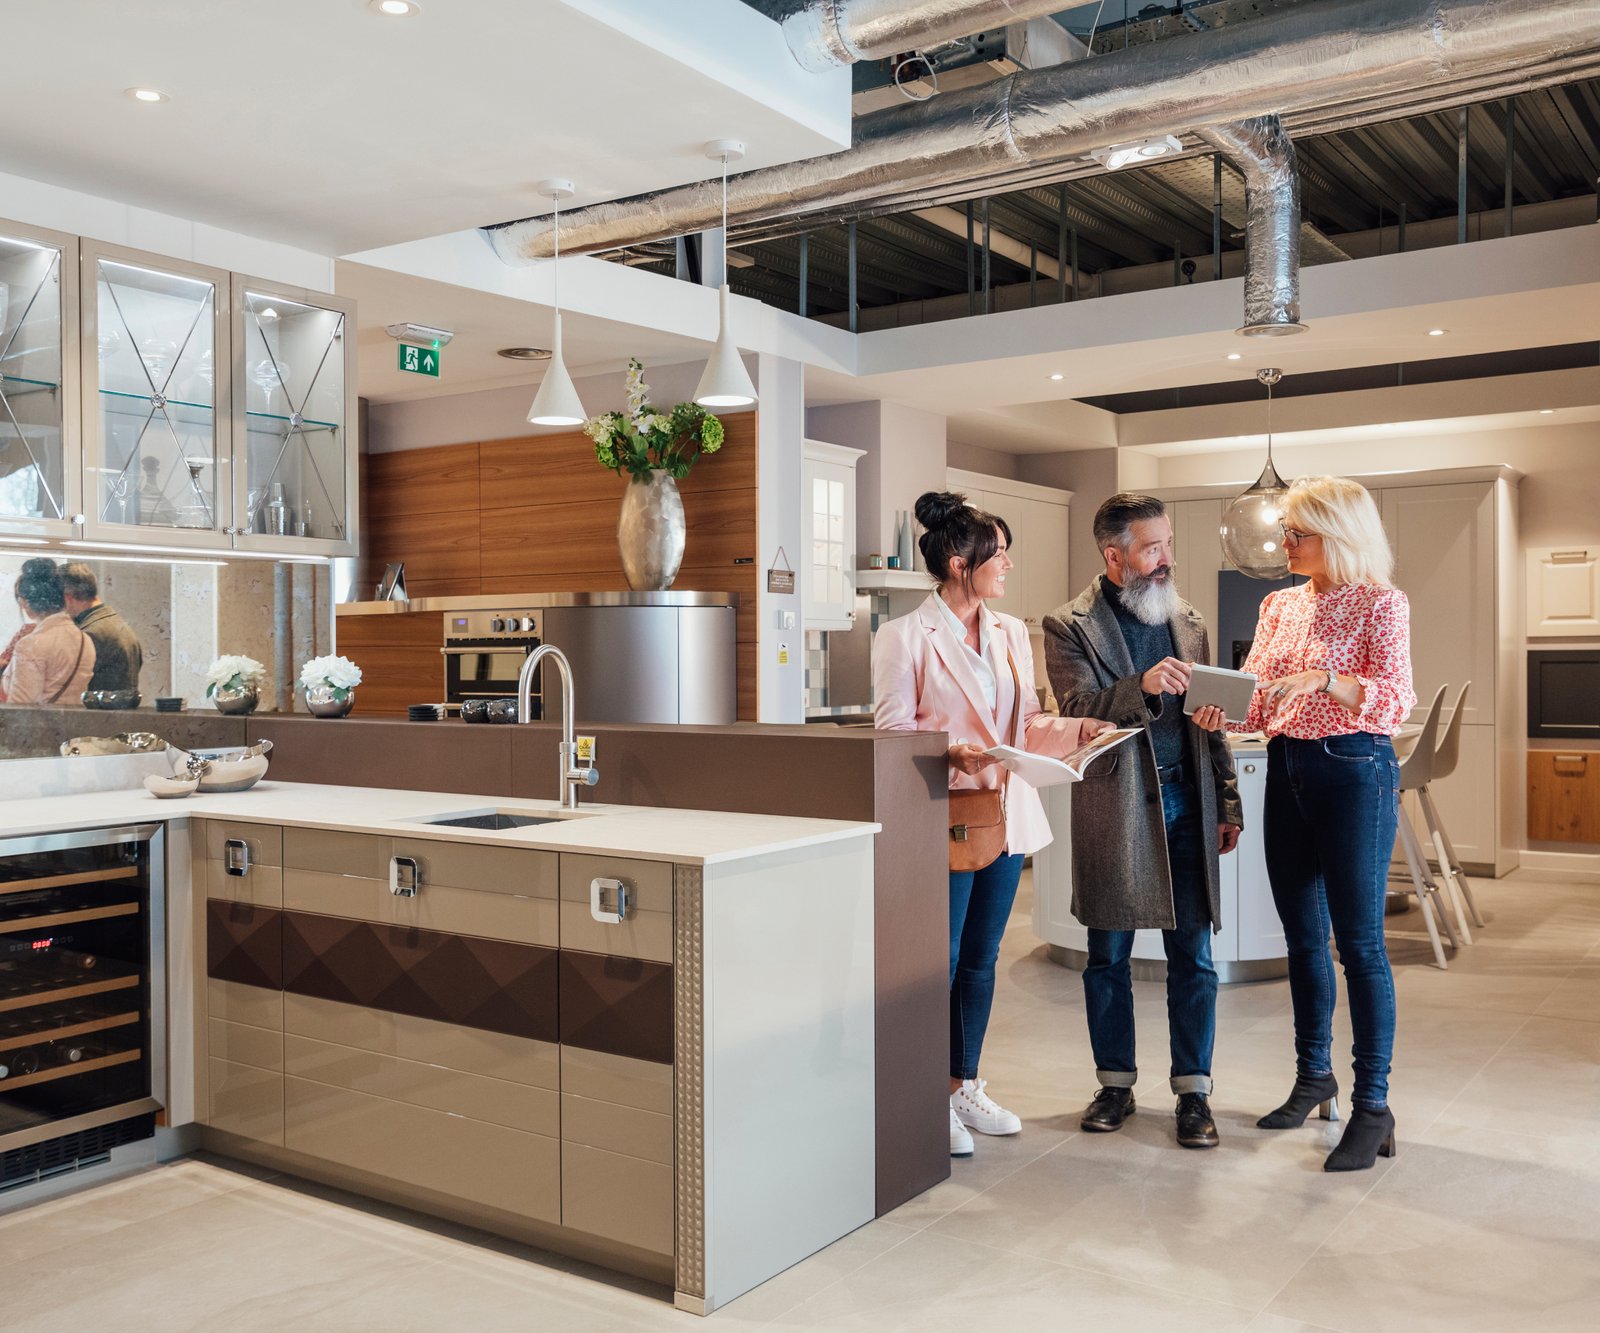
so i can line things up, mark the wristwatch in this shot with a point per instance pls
(1327, 685)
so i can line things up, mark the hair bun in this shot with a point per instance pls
(38, 565)
(935, 509)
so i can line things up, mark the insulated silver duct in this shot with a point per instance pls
(828, 33)
(1299, 62)
(1264, 155)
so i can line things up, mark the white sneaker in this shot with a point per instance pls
(960, 1140)
(971, 1105)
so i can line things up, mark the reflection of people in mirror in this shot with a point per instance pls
(118, 655)
(49, 660)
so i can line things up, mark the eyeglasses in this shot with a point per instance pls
(1294, 534)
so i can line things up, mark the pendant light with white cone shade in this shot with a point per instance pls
(725, 383)
(556, 403)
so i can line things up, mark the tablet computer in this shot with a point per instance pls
(1227, 690)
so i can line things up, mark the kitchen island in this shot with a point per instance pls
(601, 1034)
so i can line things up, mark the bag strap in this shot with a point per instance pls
(1016, 710)
(76, 663)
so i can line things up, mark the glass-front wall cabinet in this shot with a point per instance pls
(156, 398)
(39, 475)
(295, 467)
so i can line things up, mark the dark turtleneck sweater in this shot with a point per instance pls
(1147, 645)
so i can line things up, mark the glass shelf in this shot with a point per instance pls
(27, 386)
(142, 405)
(306, 425)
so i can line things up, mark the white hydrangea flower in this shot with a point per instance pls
(225, 668)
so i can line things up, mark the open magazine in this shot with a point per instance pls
(1039, 770)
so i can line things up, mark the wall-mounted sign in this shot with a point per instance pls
(420, 360)
(781, 578)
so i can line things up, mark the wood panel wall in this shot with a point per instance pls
(536, 514)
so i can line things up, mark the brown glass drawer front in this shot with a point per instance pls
(476, 983)
(622, 1006)
(244, 944)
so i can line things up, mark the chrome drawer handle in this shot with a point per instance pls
(598, 888)
(236, 857)
(405, 876)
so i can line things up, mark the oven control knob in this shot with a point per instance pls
(497, 625)
(527, 623)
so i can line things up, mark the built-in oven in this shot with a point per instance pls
(484, 652)
(82, 998)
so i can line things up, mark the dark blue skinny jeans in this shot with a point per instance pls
(980, 906)
(1329, 823)
(1191, 978)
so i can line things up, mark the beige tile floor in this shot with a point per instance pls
(1489, 1217)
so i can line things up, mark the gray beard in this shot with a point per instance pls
(1150, 600)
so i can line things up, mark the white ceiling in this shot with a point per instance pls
(320, 124)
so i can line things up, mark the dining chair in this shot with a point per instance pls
(1444, 764)
(1415, 771)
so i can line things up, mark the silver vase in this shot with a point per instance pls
(324, 701)
(240, 699)
(651, 532)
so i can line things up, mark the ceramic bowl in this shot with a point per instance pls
(168, 788)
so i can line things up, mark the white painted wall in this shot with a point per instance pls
(780, 453)
(103, 219)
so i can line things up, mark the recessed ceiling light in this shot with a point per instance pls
(1057, 375)
(1437, 333)
(524, 353)
(145, 94)
(1235, 356)
(1547, 411)
(394, 9)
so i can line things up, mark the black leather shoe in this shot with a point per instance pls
(1368, 1136)
(1110, 1107)
(1321, 1093)
(1196, 1128)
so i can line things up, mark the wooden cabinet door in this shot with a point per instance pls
(1042, 552)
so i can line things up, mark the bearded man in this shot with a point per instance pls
(1150, 820)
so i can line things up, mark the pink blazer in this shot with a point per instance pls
(922, 682)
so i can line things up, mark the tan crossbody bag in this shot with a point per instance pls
(978, 816)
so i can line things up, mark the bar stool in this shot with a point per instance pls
(1444, 764)
(1414, 775)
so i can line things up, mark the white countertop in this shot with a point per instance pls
(688, 837)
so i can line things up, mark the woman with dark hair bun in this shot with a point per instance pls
(956, 666)
(49, 660)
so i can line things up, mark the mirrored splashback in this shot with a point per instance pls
(185, 614)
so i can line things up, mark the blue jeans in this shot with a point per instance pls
(1331, 812)
(980, 905)
(1191, 979)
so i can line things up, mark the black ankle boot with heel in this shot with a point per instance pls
(1368, 1136)
(1321, 1094)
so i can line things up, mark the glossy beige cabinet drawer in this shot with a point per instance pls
(467, 865)
(646, 930)
(491, 1165)
(240, 1044)
(252, 1005)
(245, 1101)
(440, 907)
(496, 1101)
(493, 1055)
(364, 855)
(623, 1199)
(259, 885)
(264, 842)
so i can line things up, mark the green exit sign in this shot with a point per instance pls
(419, 360)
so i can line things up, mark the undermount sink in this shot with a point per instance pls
(494, 820)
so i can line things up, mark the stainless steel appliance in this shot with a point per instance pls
(484, 652)
(637, 656)
(82, 998)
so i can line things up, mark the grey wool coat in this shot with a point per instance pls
(1120, 876)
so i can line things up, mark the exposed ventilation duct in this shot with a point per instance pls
(1331, 63)
(828, 33)
(1262, 152)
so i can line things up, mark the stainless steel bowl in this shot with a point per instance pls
(234, 767)
(124, 742)
(111, 698)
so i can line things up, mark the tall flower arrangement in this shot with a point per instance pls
(642, 440)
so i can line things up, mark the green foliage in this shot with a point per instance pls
(642, 440)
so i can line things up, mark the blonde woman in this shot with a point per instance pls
(1333, 658)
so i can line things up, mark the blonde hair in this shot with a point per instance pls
(1355, 548)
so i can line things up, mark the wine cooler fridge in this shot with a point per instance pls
(82, 998)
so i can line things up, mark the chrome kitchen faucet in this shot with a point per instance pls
(572, 777)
